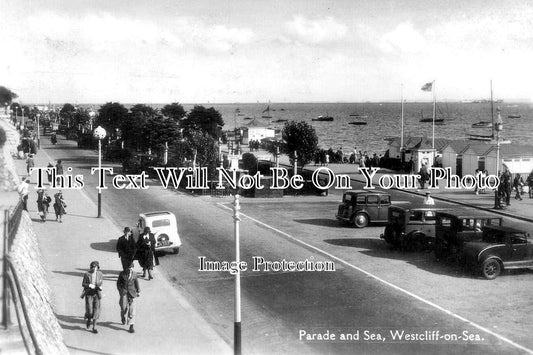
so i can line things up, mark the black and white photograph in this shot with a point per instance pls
(266, 177)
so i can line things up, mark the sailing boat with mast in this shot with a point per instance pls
(267, 110)
(485, 124)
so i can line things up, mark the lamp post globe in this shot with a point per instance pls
(99, 133)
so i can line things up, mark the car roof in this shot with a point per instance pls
(504, 229)
(156, 214)
(358, 192)
(469, 214)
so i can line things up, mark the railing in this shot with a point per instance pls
(12, 289)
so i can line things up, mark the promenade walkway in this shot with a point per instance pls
(165, 322)
(521, 209)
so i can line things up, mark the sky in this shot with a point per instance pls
(233, 51)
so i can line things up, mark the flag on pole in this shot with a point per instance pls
(427, 86)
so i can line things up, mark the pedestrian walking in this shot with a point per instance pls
(518, 182)
(59, 173)
(43, 203)
(128, 290)
(146, 252)
(53, 138)
(92, 293)
(23, 190)
(530, 184)
(49, 174)
(126, 248)
(30, 163)
(59, 206)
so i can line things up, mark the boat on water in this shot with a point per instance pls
(430, 119)
(482, 124)
(485, 124)
(359, 115)
(248, 118)
(323, 118)
(358, 123)
(266, 113)
(280, 120)
(513, 116)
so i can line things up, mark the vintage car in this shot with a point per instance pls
(500, 248)
(164, 227)
(454, 228)
(411, 227)
(361, 207)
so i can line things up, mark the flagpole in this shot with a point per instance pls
(401, 139)
(434, 114)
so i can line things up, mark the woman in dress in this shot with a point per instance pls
(59, 206)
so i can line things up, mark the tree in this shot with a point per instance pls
(174, 111)
(207, 120)
(135, 129)
(159, 130)
(6, 96)
(197, 146)
(300, 137)
(66, 114)
(112, 115)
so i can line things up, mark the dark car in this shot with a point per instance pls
(411, 227)
(360, 207)
(454, 228)
(500, 248)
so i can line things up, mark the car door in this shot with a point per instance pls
(383, 208)
(520, 248)
(372, 207)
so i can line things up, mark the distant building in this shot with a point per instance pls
(255, 131)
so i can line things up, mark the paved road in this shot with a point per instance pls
(361, 295)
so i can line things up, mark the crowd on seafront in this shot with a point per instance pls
(324, 157)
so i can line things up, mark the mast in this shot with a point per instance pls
(491, 111)
(434, 114)
(401, 136)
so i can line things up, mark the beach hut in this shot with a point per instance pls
(451, 152)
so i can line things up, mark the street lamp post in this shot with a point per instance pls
(99, 133)
(498, 127)
(237, 312)
(38, 131)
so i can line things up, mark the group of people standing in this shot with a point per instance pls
(128, 249)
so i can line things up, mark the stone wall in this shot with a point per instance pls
(32, 276)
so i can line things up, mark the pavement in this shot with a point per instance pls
(165, 322)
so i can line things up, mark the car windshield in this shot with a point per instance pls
(161, 223)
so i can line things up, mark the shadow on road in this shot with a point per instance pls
(326, 222)
(106, 246)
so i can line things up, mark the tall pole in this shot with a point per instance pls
(99, 170)
(491, 112)
(237, 313)
(434, 115)
(401, 136)
(38, 132)
(498, 127)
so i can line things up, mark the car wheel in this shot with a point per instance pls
(360, 220)
(175, 251)
(491, 268)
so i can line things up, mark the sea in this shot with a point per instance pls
(383, 121)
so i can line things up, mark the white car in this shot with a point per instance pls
(164, 227)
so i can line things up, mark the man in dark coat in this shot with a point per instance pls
(126, 248)
(92, 292)
(146, 251)
(128, 290)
